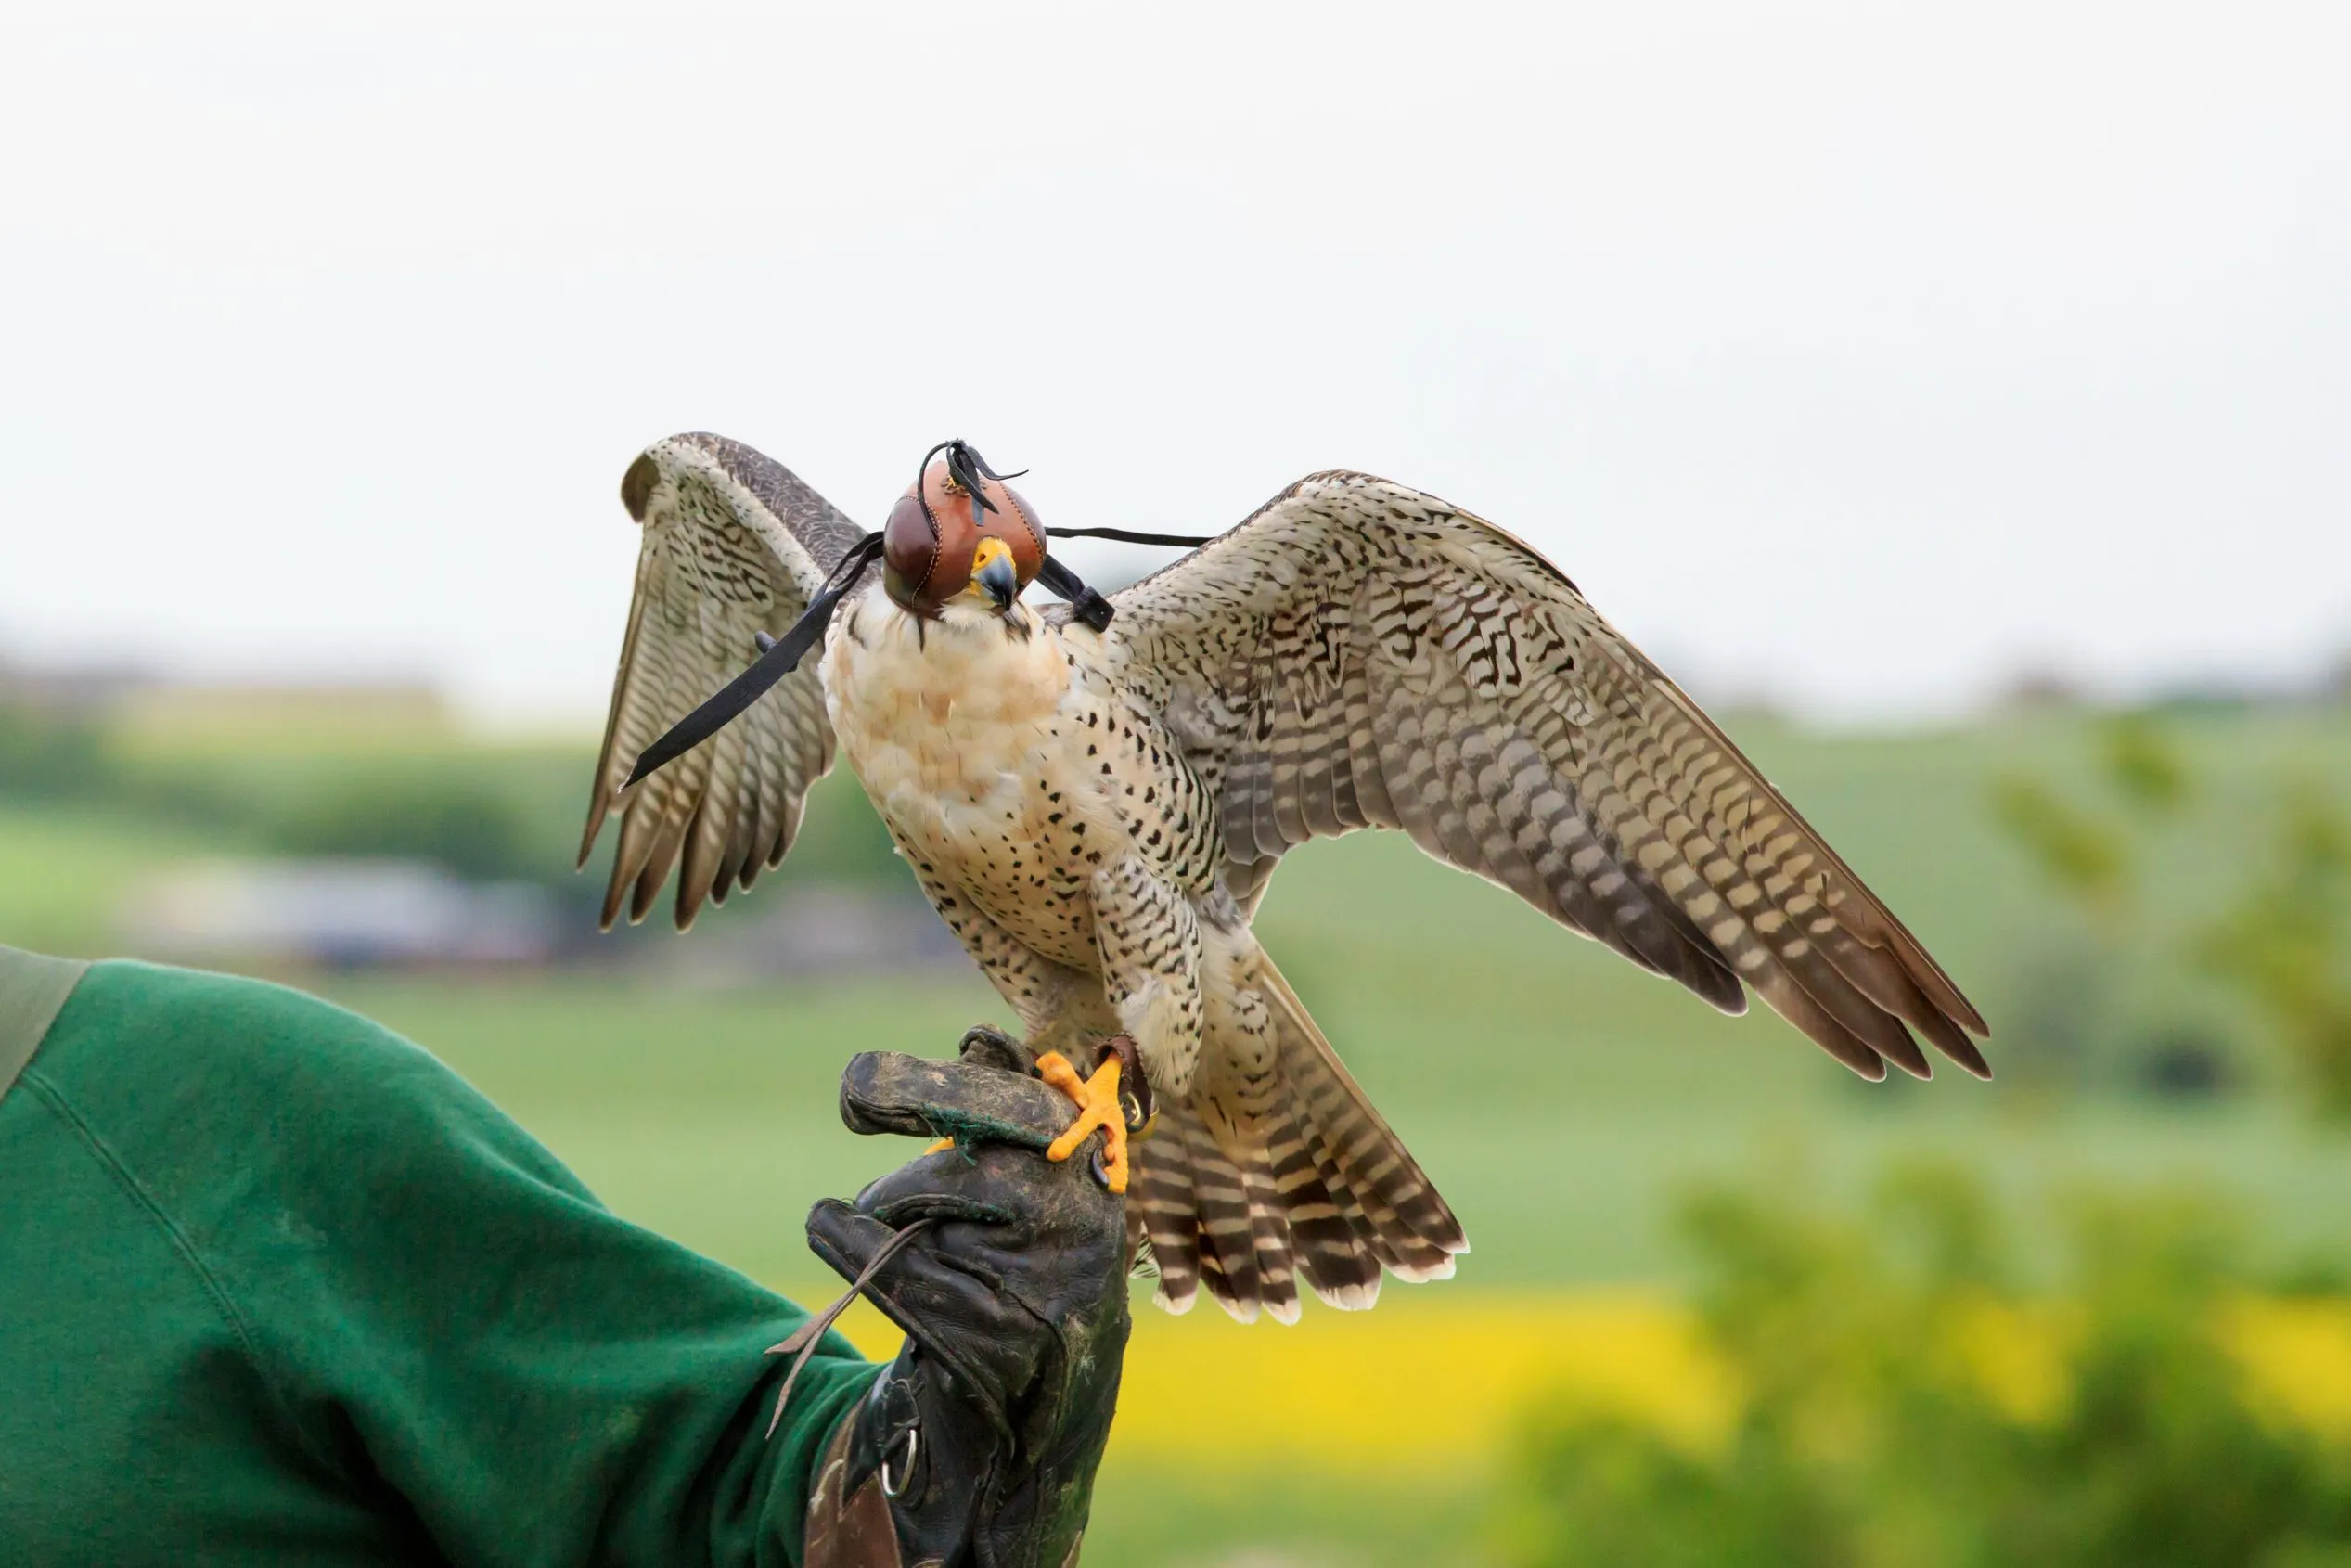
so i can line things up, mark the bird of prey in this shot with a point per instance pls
(1094, 796)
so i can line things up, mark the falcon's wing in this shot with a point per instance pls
(734, 544)
(1359, 654)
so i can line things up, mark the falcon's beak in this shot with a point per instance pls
(995, 574)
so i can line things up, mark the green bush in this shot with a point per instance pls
(483, 814)
(2281, 943)
(463, 826)
(44, 757)
(1878, 1433)
(2287, 941)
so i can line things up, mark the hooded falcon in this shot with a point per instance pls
(1094, 795)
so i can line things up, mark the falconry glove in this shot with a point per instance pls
(979, 1442)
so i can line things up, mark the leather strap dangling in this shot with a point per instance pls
(778, 657)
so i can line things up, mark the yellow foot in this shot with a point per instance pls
(940, 1147)
(1098, 1105)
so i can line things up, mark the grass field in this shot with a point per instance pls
(711, 1116)
(1559, 1099)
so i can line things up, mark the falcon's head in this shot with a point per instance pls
(959, 535)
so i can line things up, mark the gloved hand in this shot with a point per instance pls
(979, 1444)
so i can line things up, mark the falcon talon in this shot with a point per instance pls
(1097, 1110)
(1135, 1103)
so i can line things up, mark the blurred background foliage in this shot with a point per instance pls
(2275, 931)
(1909, 1403)
(1981, 1360)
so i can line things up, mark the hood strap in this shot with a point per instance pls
(778, 658)
(1129, 536)
(1092, 608)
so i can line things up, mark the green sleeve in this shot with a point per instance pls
(443, 1311)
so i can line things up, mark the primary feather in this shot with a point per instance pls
(734, 544)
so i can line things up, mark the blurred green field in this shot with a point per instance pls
(711, 1117)
(1559, 1099)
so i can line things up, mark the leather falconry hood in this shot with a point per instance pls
(933, 537)
(926, 551)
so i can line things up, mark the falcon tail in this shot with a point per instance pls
(1294, 1177)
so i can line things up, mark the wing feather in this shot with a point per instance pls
(734, 544)
(1359, 654)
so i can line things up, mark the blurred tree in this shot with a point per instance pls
(2081, 991)
(2143, 764)
(2286, 942)
(1910, 1406)
(48, 756)
(2085, 858)
(483, 814)
(456, 823)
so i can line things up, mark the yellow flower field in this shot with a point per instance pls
(1441, 1379)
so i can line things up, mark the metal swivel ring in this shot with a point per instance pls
(891, 1488)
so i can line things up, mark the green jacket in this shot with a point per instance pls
(276, 1286)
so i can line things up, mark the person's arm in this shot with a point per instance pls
(447, 1320)
(447, 1329)
(615, 1395)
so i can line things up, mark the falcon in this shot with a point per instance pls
(1094, 796)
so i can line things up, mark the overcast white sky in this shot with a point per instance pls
(1855, 353)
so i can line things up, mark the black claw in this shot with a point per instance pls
(1135, 1098)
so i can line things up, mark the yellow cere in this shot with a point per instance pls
(1446, 1382)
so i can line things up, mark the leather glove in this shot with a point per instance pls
(979, 1442)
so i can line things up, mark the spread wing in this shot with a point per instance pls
(1359, 654)
(734, 544)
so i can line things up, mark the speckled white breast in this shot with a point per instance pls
(953, 729)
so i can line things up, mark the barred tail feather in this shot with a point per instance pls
(1227, 1241)
(1160, 1206)
(1404, 1223)
(1252, 1184)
